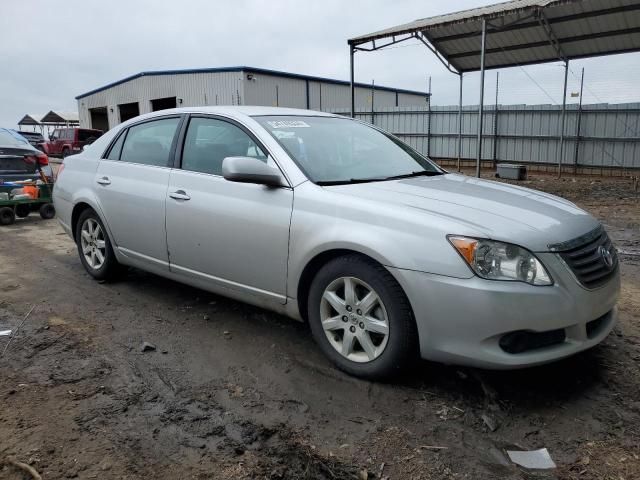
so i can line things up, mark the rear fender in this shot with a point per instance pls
(87, 196)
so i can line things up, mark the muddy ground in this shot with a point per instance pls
(234, 392)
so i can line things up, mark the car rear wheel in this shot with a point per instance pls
(7, 216)
(94, 247)
(361, 318)
(65, 152)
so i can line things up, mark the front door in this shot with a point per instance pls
(131, 185)
(234, 235)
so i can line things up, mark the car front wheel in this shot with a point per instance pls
(94, 247)
(361, 318)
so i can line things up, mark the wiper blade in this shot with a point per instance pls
(420, 173)
(325, 183)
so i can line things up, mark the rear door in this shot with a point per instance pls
(234, 235)
(131, 185)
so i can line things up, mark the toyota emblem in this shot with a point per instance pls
(607, 258)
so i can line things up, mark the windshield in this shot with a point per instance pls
(332, 150)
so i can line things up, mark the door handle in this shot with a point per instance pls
(104, 181)
(180, 195)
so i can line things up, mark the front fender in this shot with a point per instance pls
(394, 237)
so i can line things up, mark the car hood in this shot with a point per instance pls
(484, 208)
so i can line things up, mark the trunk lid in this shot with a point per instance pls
(12, 161)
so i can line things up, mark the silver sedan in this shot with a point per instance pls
(335, 222)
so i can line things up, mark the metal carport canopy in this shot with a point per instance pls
(515, 33)
(60, 118)
(30, 119)
(523, 32)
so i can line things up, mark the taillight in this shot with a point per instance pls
(40, 158)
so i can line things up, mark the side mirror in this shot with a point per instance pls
(251, 170)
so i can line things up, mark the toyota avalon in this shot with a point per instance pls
(337, 223)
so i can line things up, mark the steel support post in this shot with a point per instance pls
(429, 120)
(481, 104)
(351, 85)
(459, 123)
(578, 122)
(495, 123)
(373, 95)
(562, 118)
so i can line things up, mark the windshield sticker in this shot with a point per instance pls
(289, 124)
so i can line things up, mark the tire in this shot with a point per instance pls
(107, 270)
(23, 210)
(65, 152)
(392, 313)
(47, 211)
(7, 216)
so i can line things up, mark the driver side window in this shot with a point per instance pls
(209, 141)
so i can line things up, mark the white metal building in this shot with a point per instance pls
(107, 106)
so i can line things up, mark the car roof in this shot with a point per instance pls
(21, 132)
(237, 111)
(254, 110)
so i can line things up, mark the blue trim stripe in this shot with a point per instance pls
(263, 71)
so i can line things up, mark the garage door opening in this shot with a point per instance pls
(99, 118)
(128, 111)
(163, 103)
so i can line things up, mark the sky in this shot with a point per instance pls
(53, 51)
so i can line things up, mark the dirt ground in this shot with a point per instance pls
(234, 392)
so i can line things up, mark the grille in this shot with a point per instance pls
(586, 257)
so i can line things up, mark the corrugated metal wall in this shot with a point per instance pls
(192, 88)
(275, 91)
(609, 134)
(233, 88)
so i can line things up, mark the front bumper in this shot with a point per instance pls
(461, 321)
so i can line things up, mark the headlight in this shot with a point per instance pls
(501, 261)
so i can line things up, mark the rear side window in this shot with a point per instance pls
(114, 153)
(150, 143)
(209, 141)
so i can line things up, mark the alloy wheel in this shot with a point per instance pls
(354, 319)
(93, 244)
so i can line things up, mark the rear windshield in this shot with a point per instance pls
(8, 139)
(84, 135)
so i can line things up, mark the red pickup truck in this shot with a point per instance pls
(69, 141)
